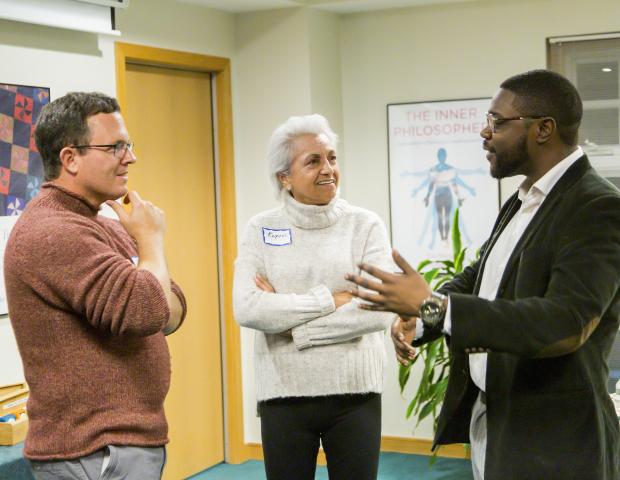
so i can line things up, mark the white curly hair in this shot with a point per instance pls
(280, 151)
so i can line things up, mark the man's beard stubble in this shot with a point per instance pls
(508, 163)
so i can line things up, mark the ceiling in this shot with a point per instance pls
(338, 6)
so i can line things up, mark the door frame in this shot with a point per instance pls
(236, 451)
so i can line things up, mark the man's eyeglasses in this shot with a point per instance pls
(120, 148)
(493, 121)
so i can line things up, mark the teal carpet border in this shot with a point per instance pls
(392, 466)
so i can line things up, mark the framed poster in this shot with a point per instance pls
(436, 164)
(21, 168)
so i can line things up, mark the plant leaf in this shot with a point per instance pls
(403, 376)
(458, 263)
(430, 275)
(411, 406)
(426, 410)
(441, 387)
(456, 234)
(423, 264)
(440, 281)
(448, 263)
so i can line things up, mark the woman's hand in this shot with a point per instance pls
(263, 284)
(342, 298)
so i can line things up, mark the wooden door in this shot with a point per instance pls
(169, 116)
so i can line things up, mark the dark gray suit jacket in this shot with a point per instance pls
(548, 334)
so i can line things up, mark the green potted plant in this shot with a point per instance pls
(434, 355)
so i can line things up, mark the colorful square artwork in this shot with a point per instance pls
(32, 145)
(23, 108)
(19, 159)
(14, 205)
(21, 133)
(32, 187)
(6, 128)
(5, 154)
(21, 168)
(5, 181)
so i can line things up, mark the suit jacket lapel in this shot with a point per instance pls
(576, 171)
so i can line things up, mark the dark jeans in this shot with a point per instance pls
(348, 426)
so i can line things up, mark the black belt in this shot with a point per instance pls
(483, 397)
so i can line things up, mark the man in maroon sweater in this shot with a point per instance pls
(90, 301)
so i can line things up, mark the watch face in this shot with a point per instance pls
(431, 312)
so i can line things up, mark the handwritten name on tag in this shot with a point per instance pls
(277, 237)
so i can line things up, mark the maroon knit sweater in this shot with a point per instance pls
(88, 325)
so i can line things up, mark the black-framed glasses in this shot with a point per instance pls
(120, 148)
(493, 121)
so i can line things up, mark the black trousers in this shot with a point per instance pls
(348, 426)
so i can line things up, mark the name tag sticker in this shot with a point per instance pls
(277, 237)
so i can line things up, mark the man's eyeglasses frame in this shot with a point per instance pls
(120, 148)
(493, 121)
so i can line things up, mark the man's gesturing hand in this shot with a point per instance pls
(401, 293)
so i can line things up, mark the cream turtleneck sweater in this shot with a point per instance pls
(304, 251)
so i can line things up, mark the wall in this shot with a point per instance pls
(177, 26)
(325, 71)
(273, 82)
(60, 59)
(435, 53)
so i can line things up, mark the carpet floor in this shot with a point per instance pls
(392, 466)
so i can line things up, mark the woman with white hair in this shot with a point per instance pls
(319, 358)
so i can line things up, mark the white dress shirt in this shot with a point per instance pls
(531, 200)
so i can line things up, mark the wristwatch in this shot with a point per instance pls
(433, 310)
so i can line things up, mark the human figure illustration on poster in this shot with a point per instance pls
(444, 193)
(436, 165)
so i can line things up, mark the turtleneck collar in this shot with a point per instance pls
(69, 200)
(312, 216)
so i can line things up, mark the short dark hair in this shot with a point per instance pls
(64, 122)
(547, 93)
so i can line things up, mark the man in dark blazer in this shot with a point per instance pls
(530, 325)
